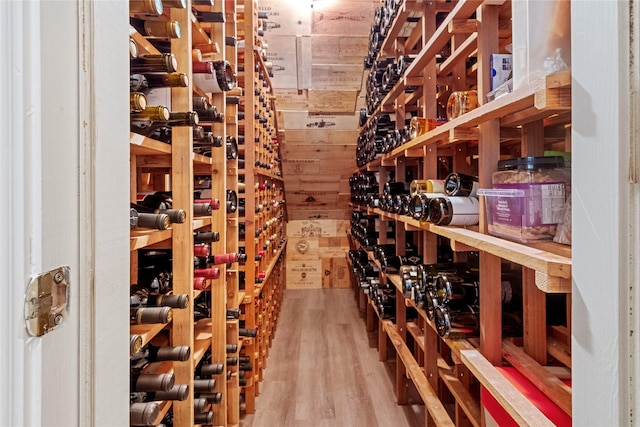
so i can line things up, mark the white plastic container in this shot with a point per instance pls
(541, 31)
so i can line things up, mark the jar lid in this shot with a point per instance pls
(531, 163)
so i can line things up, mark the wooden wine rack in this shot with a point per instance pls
(264, 219)
(173, 167)
(448, 372)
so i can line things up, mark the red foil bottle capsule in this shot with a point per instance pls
(201, 250)
(200, 283)
(208, 273)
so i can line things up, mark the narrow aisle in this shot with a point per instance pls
(322, 370)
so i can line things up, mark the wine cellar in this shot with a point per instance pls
(342, 213)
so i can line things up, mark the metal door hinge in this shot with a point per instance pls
(47, 301)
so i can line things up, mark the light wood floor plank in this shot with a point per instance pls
(323, 369)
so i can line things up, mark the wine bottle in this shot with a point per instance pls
(213, 203)
(232, 201)
(209, 17)
(147, 82)
(203, 418)
(200, 283)
(135, 344)
(206, 236)
(208, 273)
(454, 211)
(204, 385)
(459, 184)
(179, 392)
(176, 4)
(200, 405)
(232, 147)
(214, 76)
(419, 205)
(150, 315)
(151, 382)
(137, 101)
(154, 63)
(151, 113)
(160, 221)
(233, 313)
(245, 332)
(156, 28)
(209, 369)
(212, 398)
(180, 353)
(176, 216)
(142, 297)
(232, 361)
(143, 413)
(150, 7)
(232, 348)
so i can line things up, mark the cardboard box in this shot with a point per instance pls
(501, 67)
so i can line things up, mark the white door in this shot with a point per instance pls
(63, 188)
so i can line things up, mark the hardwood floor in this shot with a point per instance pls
(323, 369)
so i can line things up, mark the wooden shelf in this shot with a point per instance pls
(147, 332)
(431, 401)
(143, 238)
(143, 146)
(525, 122)
(555, 270)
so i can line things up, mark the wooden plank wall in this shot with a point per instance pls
(317, 55)
(316, 254)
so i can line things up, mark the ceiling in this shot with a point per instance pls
(316, 50)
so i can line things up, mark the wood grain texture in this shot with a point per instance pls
(324, 370)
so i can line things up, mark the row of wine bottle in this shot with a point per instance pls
(452, 201)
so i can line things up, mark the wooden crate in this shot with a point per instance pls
(304, 120)
(317, 228)
(332, 101)
(302, 214)
(324, 136)
(336, 77)
(286, 17)
(335, 272)
(343, 18)
(305, 274)
(303, 248)
(338, 49)
(291, 99)
(282, 53)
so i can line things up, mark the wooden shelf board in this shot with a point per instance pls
(144, 47)
(417, 334)
(407, 8)
(530, 103)
(201, 221)
(198, 34)
(164, 407)
(508, 396)
(143, 238)
(143, 146)
(201, 339)
(431, 401)
(202, 160)
(462, 396)
(147, 332)
(463, 9)
(543, 261)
